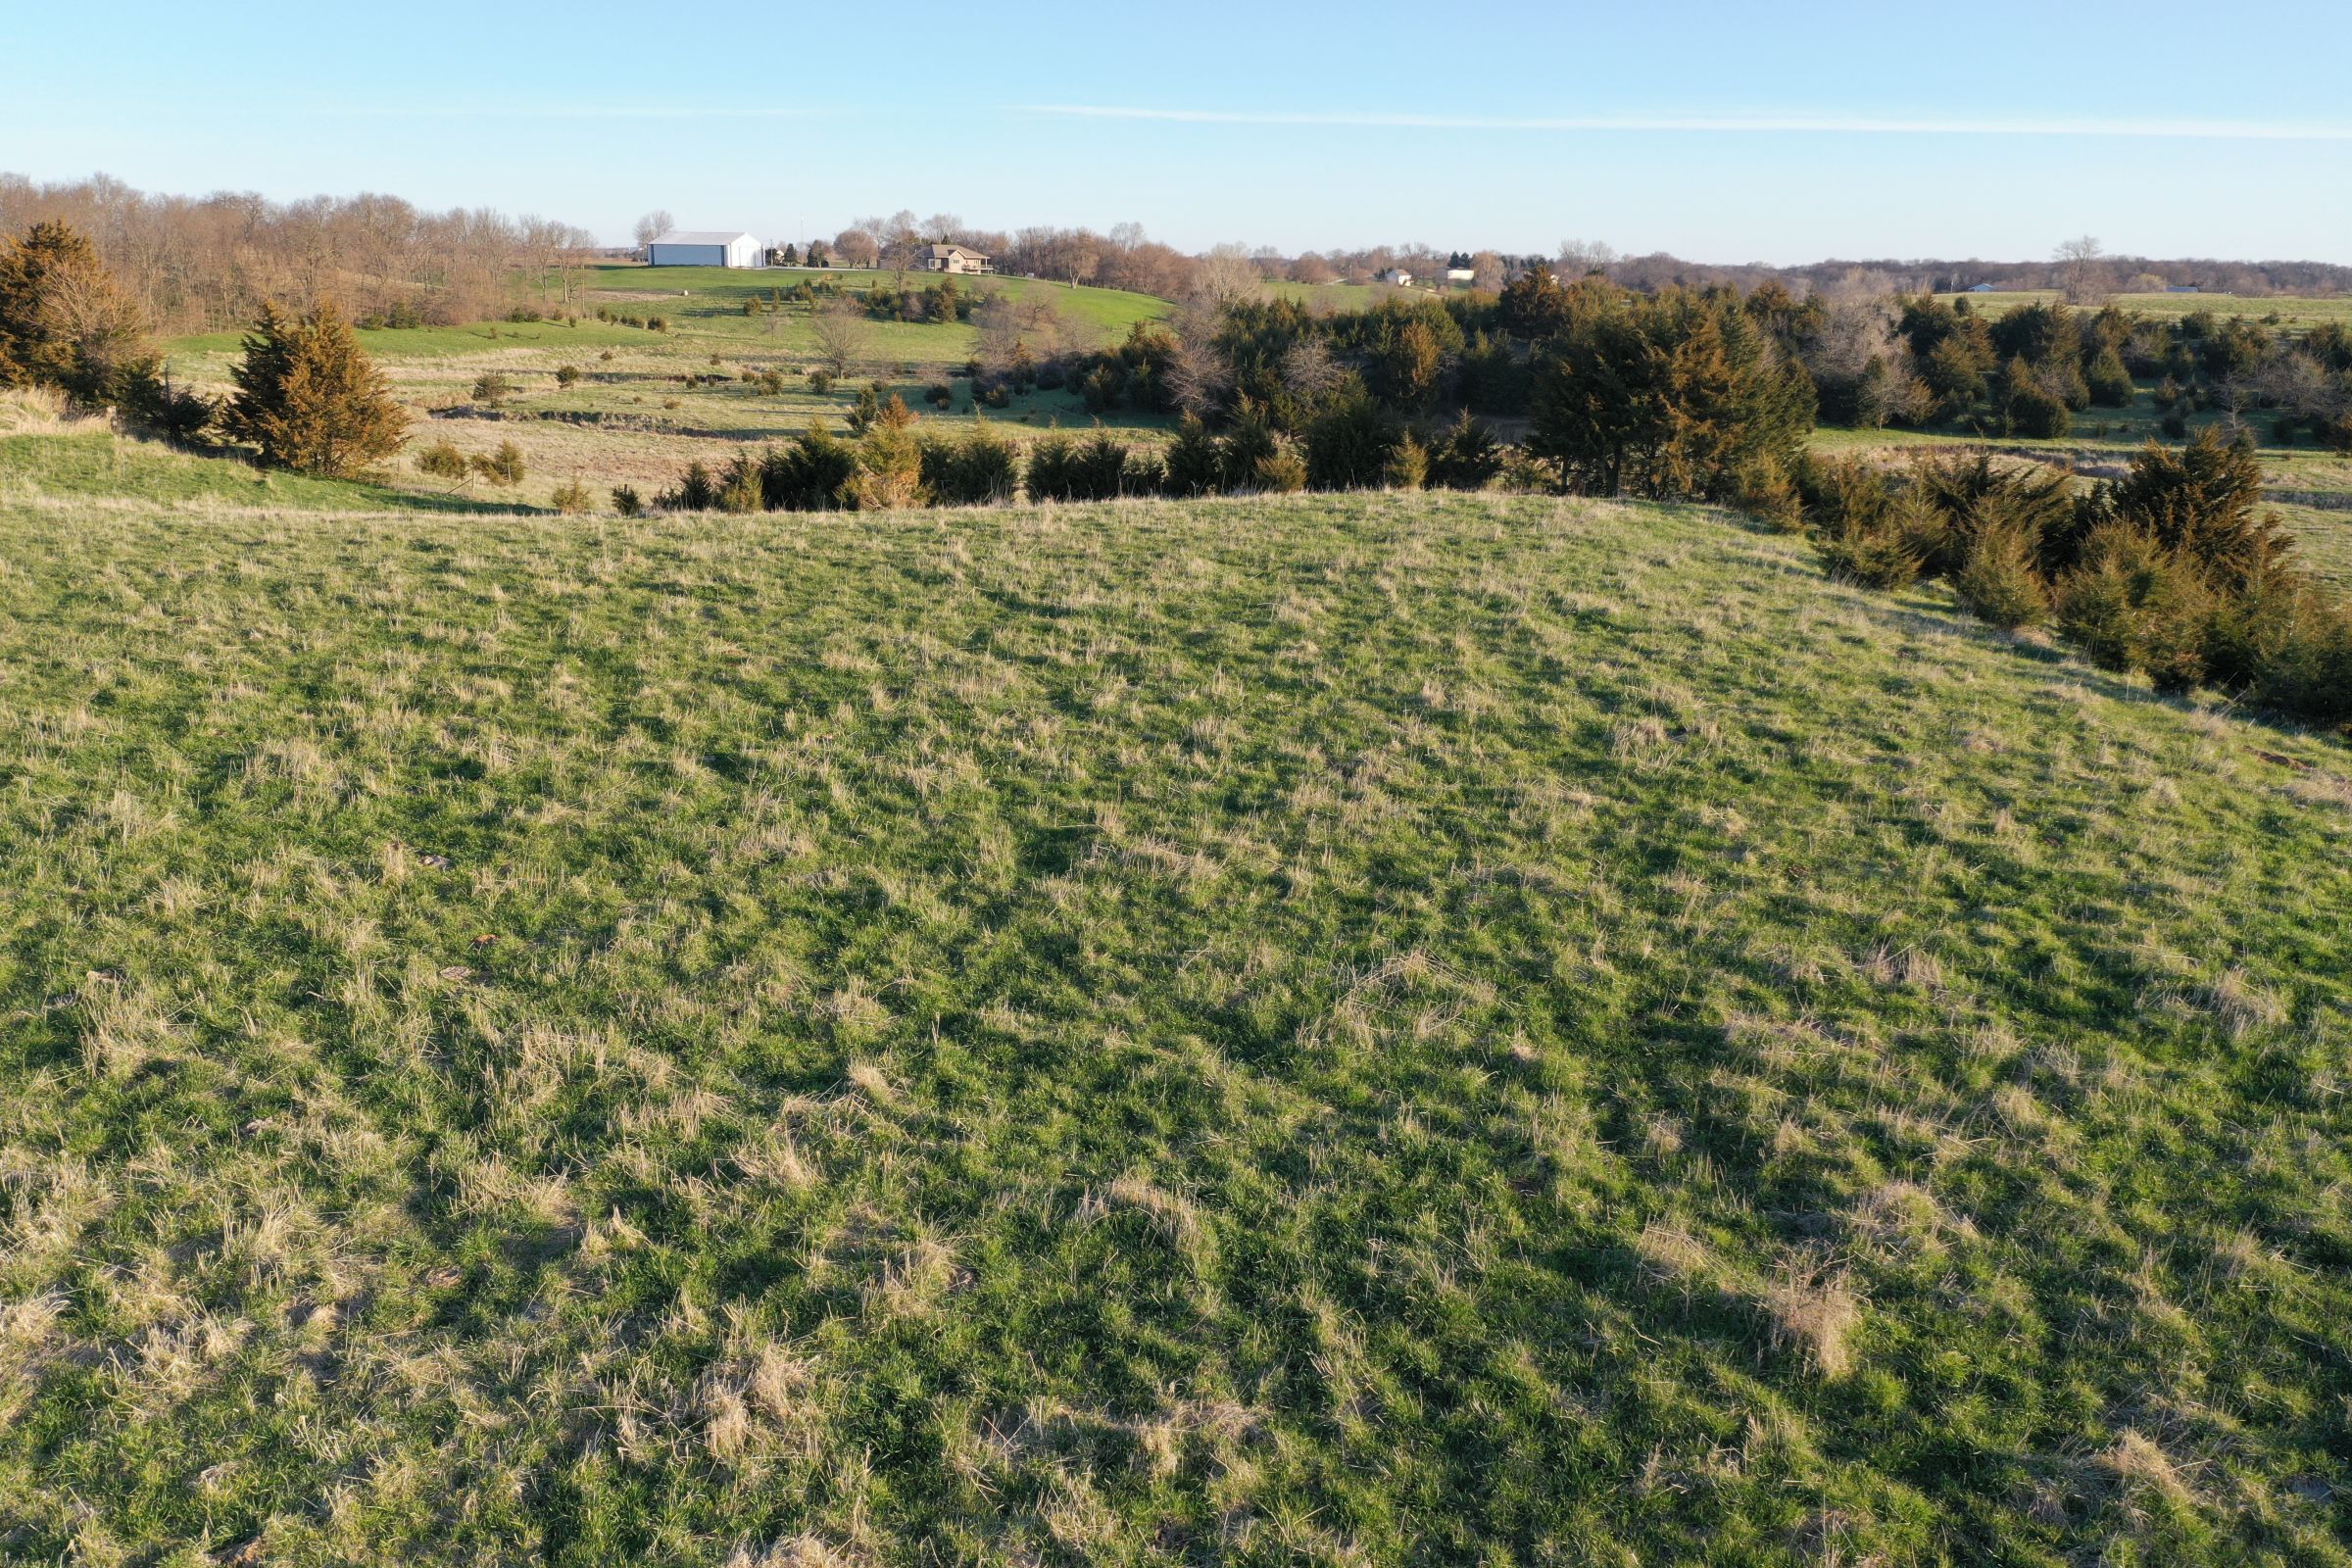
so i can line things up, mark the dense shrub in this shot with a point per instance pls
(1349, 443)
(571, 497)
(889, 461)
(1877, 553)
(1407, 465)
(694, 491)
(1046, 477)
(979, 468)
(1195, 464)
(627, 502)
(2110, 382)
(811, 473)
(504, 467)
(1468, 457)
(1280, 471)
(2132, 605)
(2000, 582)
(443, 461)
(739, 486)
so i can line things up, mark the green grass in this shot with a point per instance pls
(1108, 312)
(1358, 1030)
(126, 473)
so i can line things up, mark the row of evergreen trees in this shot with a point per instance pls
(2172, 571)
(892, 462)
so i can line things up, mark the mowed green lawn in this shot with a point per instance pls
(1329, 1030)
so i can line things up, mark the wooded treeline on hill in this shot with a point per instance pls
(195, 263)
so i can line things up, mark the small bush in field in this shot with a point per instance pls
(567, 375)
(694, 491)
(1766, 492)
(571, 497)
(1876, 557)
(504, 467)
(627, 502)
(1408, 464)
(492, 388)
(1281, 472)
(998, 396)
(939, 395)
(443, 461)
(1998, 583)
(821, 381)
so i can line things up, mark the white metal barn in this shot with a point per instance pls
(703, 246)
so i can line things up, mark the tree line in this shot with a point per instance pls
(202, 263)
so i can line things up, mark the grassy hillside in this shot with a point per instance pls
(130, 474)
(1366, 1030)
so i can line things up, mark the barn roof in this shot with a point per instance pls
(701, 236)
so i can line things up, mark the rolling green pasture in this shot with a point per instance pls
(1349, 1030)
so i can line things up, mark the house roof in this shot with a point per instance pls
(956, 250)
(703, 236)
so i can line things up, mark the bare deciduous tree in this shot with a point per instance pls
(856, 246)
(1226, 274)
(1198, 372)
(839, 329)
(1309, 374)
(652, 227)
(2084, 269)
(1581, 256)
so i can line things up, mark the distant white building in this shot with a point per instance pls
(1395, 274)
(954, 259)
(1460, 274)
(704, 247)
(1982, 288)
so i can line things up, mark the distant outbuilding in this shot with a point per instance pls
(954, 259)
(1983, 288)
(704, 247)
(1397, 275)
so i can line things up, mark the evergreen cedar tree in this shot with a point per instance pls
(65, 323)
(308, 398)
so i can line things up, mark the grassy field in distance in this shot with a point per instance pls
(1342, 1030)
(2291, 310)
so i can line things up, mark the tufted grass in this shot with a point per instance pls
(1341, 1030)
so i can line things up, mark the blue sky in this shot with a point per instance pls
(1723, 133)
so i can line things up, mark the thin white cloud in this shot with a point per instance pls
(561, 111)
(1772, 124)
